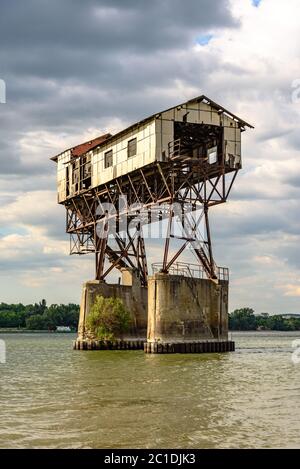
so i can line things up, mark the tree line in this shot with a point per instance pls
(244, 319)
(38, 316)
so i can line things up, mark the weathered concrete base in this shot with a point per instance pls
(190, 347)
(108, 344)
(134, 297)
(187, 315)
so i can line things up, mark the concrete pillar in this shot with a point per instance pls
(134, 297)
(183, 309)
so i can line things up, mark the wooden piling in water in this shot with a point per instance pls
(222, 346)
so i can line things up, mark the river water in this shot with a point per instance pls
(54, 397)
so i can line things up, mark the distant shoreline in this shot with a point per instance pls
(42, 331)
(3, 330)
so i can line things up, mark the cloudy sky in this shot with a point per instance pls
(75, 69)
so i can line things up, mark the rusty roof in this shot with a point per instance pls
(82, 148)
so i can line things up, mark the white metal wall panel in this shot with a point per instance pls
(61, 174)
(145, 135)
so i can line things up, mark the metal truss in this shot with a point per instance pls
(138, 196)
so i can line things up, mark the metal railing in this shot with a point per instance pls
(174, 148)
(190, 270)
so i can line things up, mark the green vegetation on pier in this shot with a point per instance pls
(108, 318)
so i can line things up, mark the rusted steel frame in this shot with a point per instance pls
(114, 264)
(183, 183)
(192, 188)
(119, 187)
(197, 193)
(110, 199)
(121, 245)
(213, 202)
(78, 240)
(88, 207)
(131, 239)
(109, 194)
(73, 218)
(171, 262)
(193, 228)
(69, 219)
(73, 242)
(110, 217)
(223, 161)
(141, 268)
(160, 188)
(213, 189)
(99, 202)
(185, 193)
(201, 184)
(143, 254)
(147, 185)
(183, 238)
(137, 254)
(209, 244)
(79, 215)
(199, 251)
(224, 182)
(128, 255)
(101, 249)
(231, 184)
(203, 259)
(133, 188)
(167, 241)
(164, 179)
(81, 227)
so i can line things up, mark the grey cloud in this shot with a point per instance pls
(105, 24)
(293, 180)
(268, 219)
(72, 65)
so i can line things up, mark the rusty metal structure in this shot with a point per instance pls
(187, 156)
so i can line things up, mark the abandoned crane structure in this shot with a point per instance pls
(175, 164)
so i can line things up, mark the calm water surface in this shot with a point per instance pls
(54, 397)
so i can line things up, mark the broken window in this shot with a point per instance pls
(131, 148)
(67, 181)
(108, 159)
(85, 172)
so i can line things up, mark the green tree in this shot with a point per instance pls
(36, 322)
(242, 320)
(278, 323)
(10, 319)
(108, 318)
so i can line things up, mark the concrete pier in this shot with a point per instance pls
(135, 298)
(187, 315)
(175, 314)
